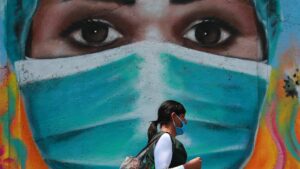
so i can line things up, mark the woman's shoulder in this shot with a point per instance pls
(165, 136)
(168, 137)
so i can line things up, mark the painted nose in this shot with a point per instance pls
(153, 33)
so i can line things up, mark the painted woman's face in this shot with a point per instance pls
(64, 28)
(69, 101)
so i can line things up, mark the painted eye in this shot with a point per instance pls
(209, 32)
(95, 33)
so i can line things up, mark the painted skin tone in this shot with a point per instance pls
(64, 28)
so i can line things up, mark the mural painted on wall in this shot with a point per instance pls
(81, 80)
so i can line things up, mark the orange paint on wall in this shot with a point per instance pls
(265, 151)
(35, 160)
(280, 88)
(23, 132)
(19, 128)
(291, 162)
(297, 126)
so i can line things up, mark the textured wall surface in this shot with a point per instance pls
(81, 80)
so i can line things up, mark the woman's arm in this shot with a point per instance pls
(163, 153)
(195, 163)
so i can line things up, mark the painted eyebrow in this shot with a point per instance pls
(181, 1)
(247, 2)
(124, 2)
(132, 2)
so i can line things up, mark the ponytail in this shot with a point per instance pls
(152, 130)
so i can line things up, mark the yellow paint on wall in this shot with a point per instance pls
(3, 96)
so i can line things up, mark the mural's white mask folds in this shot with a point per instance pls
(91, 111)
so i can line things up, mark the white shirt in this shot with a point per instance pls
(163, 153)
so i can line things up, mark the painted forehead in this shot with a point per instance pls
(155, 7)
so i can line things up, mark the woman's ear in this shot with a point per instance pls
(174, 118)
(173, 114)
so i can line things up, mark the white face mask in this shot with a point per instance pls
(104, 102)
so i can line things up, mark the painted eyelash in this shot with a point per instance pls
(218, 21)
(76, 25)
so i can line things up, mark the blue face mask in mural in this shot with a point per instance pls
(91, 111)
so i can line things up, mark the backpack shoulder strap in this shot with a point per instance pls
(146, 148)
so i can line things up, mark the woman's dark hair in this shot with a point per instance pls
(164, 115)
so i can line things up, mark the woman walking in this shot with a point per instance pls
(168, 152)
